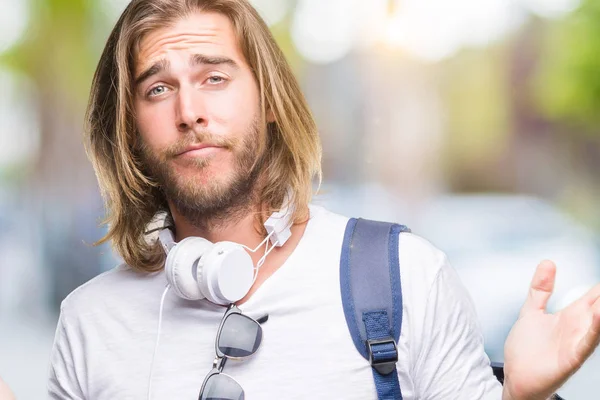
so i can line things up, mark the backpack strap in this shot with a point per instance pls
(372, 297)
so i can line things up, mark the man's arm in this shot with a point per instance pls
(63, 382)
(452, 363)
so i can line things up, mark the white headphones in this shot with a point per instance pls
(221, 272)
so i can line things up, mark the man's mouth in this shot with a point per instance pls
(199, 150)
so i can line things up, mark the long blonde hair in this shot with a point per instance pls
(131, 197)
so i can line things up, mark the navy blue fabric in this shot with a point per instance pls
(370, 279)
(371, 292)
(347, 301)
(394, 266)
(377, 324)
(378, 327)
(388, 386)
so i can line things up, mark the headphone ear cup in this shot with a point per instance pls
(226, 273)
(181, 265)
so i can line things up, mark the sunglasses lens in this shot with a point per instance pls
(240, 336)
(222, 387)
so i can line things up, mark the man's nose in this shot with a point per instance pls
(191, 111)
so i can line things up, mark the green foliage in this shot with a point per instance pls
(56, 52)
(476, 96)
(568, 81)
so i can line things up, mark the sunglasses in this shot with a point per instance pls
(239, 337)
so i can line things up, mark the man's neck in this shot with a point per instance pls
(242, 230)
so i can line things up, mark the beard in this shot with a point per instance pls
(208, 202)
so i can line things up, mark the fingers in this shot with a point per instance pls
(541, 288)
(590, 297)
(591, 339)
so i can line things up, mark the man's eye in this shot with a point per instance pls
(156, 91)
(214, 80)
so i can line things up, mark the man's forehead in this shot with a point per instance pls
(200, 32)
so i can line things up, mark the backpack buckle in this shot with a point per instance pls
(383, 354)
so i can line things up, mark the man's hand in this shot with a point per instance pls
(5, 393)
(543, 350)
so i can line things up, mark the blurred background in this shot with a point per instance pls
(475, 122)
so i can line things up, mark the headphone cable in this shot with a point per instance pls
(160, 312)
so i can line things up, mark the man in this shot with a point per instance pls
(5, 392)
(195, 112)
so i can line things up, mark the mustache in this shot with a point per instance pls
(198, 138)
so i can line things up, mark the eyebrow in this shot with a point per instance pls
(195, 59)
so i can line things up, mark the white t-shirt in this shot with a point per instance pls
(107, 331)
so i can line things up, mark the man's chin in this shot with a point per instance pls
(199, 183)
(189, 164)
(197, 201)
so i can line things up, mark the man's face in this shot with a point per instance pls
(197, 112)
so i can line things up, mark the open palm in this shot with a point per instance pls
(543, 350)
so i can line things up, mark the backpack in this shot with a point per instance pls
(372, 299)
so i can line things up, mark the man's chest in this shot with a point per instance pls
(306, 352)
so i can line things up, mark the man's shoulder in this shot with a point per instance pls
(421, 259)
(418, 248)
(111, 288)
(325, 215)
(411, 244)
